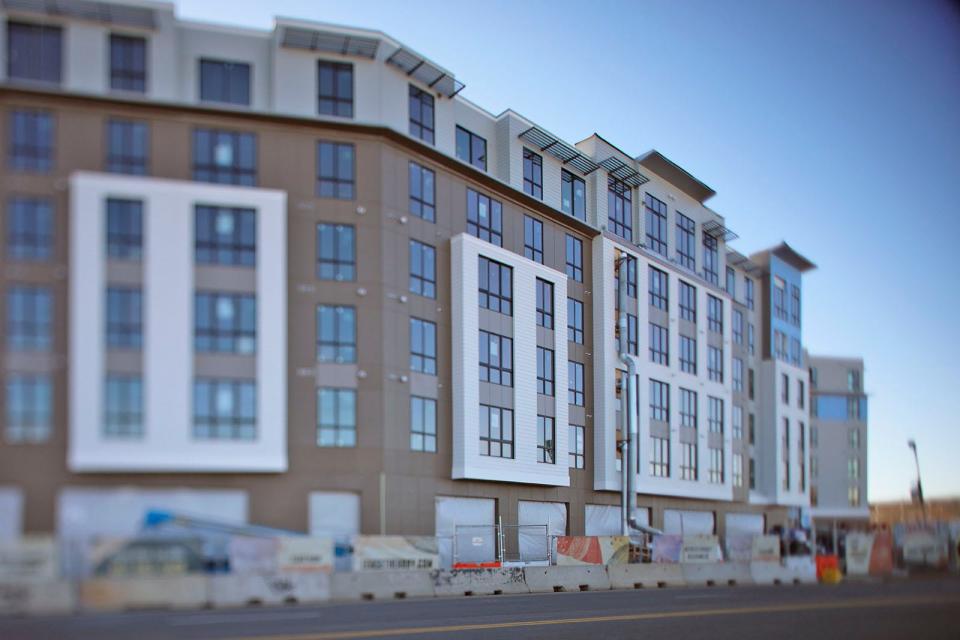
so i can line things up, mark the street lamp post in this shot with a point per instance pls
(916, 458)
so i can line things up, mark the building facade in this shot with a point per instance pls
(294, 278)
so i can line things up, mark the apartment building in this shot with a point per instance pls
(294, 278)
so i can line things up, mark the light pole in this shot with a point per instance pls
(913, 447)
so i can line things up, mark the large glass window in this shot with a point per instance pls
(471, 148)
(716, 466)
(574, 258)
(124, 229)
(659, 457)
(29, 408)
(34, 51)
(533, 174)
(123, 407)
(423, 194)
(688, 408)
(334, 88)
(421, 114)
(732, 283)
(795, 304)
(656, 222)
(335, 170)
(748, 286)
(738, 470)
(533, 239)
(495, 286)
(575, 447)
(124, 318)
(688, 354)
(573, 195)
(423, 269)
(711, 259)
(659, 401)
(336, 252)
(31, 141)
(224, 81)
(620, 208)
(688, 302)
(225, 323)
(631, 269)
(128, 63)
(496, 432)
(737, 374)
(423, 346)
(226, 236)
(544, 304)
(29, 229)
(688, 461)
(423, 424)
(29, 318)
(127, 147)
(737, 326)
(575, 393)
(574, 320)
(336, 333)
(659, 292)
(484, 217)
(546, 440)
(545, 371)
(496, 359)
(225, 157)
(336, 417)
(779, 298)
(686, 242)
(224, 409)
(714, 314)
(715, 363)
(659, 344)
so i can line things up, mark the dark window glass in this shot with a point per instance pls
(714, 314)
(29, 408)
(575, 393)
(423, 194)
(423, 269)
(688, 302)
(226, 236)
(336, 417)
(574, 258)
(620, 208)
(660, 457)
(335, 88)
(716, 466)
(632, 335)
(659, 293)
(688, 408)
(123, 406)
(222, 81)
(423, 424)
(544, 304)
(471, 148)
(226, 157)
(575, 447)
(659, 344)
(29, 229)
(715, 414)
(574, 321)
(732, 282)
(31, 141)
(656, 222)
(423, 346)
(225, 323)
(573, 195)
(715, 363)
(659, 401)
(34, 52)
(29, 318)
(421, 114)
(496, 359)
(128, 63)
(124, 318)
(795, 304)
(224, 409)
(686, 241)
(496, 286)
(737, 326)
(496, 432)
(127, 147)
(484, 218)
(631, 274)
(546, 440)
(533, 174)
(688, 461)
(335, 170)
(533, 239)
(124, 229)
(688, 355)
(336, 252)
(749, 292)
(711, 259)
(545, 371)
(336, 334)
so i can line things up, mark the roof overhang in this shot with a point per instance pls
(416, 66)
(676, 175)
(566, 153)
(142, 16)
(347, 44)
(787, 253)
(620, 170)
(718, 230)
(742, 262)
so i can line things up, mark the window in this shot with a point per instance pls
(545, 371)
(738, 470)
(853, 380)
(716, 466)
(785, 455)
(533, 239)
(853, 496)
(715, 363)
(423, 192)
(631, 268)
(737, 374)
(853, 438)
(659, 344)
(496, 286)
(546, 440)
(128, 63)
(575, 447)
(779, 298)
(471, 148)
(748, 283)
(814, 468)
(544, 304)
(688, 461)
(737, 326)
(659, 294)
(659, 401)
(814, 436)
(574, 258)
(222, 81)
(496, 359)
(659, 457)
(336, 334)
(31, 141)
(575, 394)
(751, 339)
(421, 114)
(633, 346)
(423, 424)
(752, 428)
(711, 259)
(688, 354)
(29, 318)
(336, 417)
(802, 458)
(737, 422)
(334, 88)
(533, 174)
(686, 241)
(688, 302)
(226, 236)
(336, 252)
(335, 170)
(127, 147)
(125, 318)
(656, 222)
(423, 269)
(753, 473)
(225, 323)
(853, 468)
(574, 321)
(620, 208)
(795, 304)
(573, 195)
(29, 229)
(224, 409)
(714, 414)
(750, 383)
(732, 283)
(29, 408)
(785, 388)
(801, 394)
(496, 432)
(714, 314)
(423, 346)
(123, 407)
(484, 218)
(34, 52)
(688, 408)
(225, 157)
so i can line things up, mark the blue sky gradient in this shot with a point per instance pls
(832, 125)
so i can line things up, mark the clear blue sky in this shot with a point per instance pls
(832, 125)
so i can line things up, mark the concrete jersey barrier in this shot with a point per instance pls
(120, 594)
(479, 582)
(583, 578)
(646, 576)
(380, 585)
(269, 589)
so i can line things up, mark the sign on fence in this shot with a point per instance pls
(766, 548)
(380, 553)
(32, 558)
(606, 550)
(253, 555)
(700, 549)
(305, 554)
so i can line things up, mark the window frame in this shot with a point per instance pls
(128, 76)
(567, 178)
(656, 214)
(236, 81)
(546, 372)
(336, 182)
(475, 148)
(28, 420)
(126, 331)
(423, 269)
(34, 332)
(238, 424)
(123, 419)
(533, 239)
(334, 99)
(426, 432)
(488, 227)
(344, 433)
(235, 248)
(620, 208)
(659, 288)
(421, 106)
(29, 228)
(495, 369)
(574, 315)
(532, 174)
(234, 337)
(686, 242)
(575, 383)
(545, 306)
(502, 440)
(659, 344)
(45, 36)
(341, 264)
(423, 360)
(32, 142)
(335, 343)
(546, 447)
(575, 447)
(495, 299)
(574, 269)
(206, 168)
(659, 401)
(127, 162)
(419, 179)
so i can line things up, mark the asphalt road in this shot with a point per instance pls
(928, 608)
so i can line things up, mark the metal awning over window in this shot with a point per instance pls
(426, 72)
(622, 171)
(105, 12)
(718, 231)
(565, 153)
(740, 261)
(331, 41)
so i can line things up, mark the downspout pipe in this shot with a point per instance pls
(628, 416)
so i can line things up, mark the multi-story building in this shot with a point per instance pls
(295, 278)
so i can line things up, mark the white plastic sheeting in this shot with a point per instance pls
(688, 523)
(451, 512)
(744, 524)
(532, 542)
(11, 513)
(334, 513)
(604, 519)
